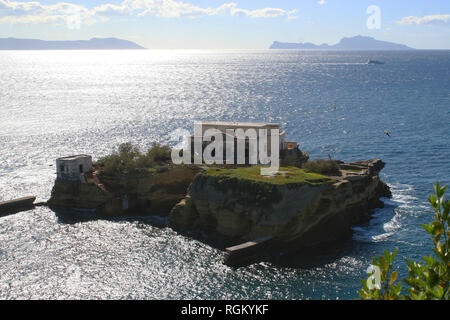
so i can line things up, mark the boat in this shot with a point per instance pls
(374, 62)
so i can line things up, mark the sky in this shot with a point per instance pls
(229, 24)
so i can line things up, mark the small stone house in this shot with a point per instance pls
(73, 168)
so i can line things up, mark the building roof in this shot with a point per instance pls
(69, 158)
(223, 125)
(239, 124)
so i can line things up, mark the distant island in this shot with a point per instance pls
(352, 43)
(92, 44)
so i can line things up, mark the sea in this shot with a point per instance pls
(60, 103)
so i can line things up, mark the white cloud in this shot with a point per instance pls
(175, 9)
(430, 19)
(262, 13)
(109, 9)
(35, 12)
(321, 2)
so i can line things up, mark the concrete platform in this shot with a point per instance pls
(246, 253)
(16, 205)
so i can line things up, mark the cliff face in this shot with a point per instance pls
(146, 192)
(232, 210)
(74, 194)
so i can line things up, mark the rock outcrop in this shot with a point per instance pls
(230, 210)
(143, 193)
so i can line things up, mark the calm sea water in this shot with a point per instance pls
(60, 103)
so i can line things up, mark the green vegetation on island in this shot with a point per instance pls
(285, 175)
(326, 167)
(128, 158)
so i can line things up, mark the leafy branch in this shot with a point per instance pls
(426, 280)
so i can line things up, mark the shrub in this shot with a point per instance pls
(128, 150)
(426, 280)
(128, 158)
(110, 164)
(159, 153)
(322, 166)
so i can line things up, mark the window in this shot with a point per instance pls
(61, 168)
(81, 168)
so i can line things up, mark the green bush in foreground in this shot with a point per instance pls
(428, 280)
(129, 158)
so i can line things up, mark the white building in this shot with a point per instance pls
(222, 126)
(74, 167)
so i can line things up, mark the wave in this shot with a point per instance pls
(334, 63)
(388, 220)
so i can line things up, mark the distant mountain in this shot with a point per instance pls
(93, 44)
(353, 43)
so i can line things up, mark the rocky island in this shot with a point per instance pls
(234, 208)
(347, 43)
(92, 44)
(297, 209)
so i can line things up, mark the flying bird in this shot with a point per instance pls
(387, 133)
